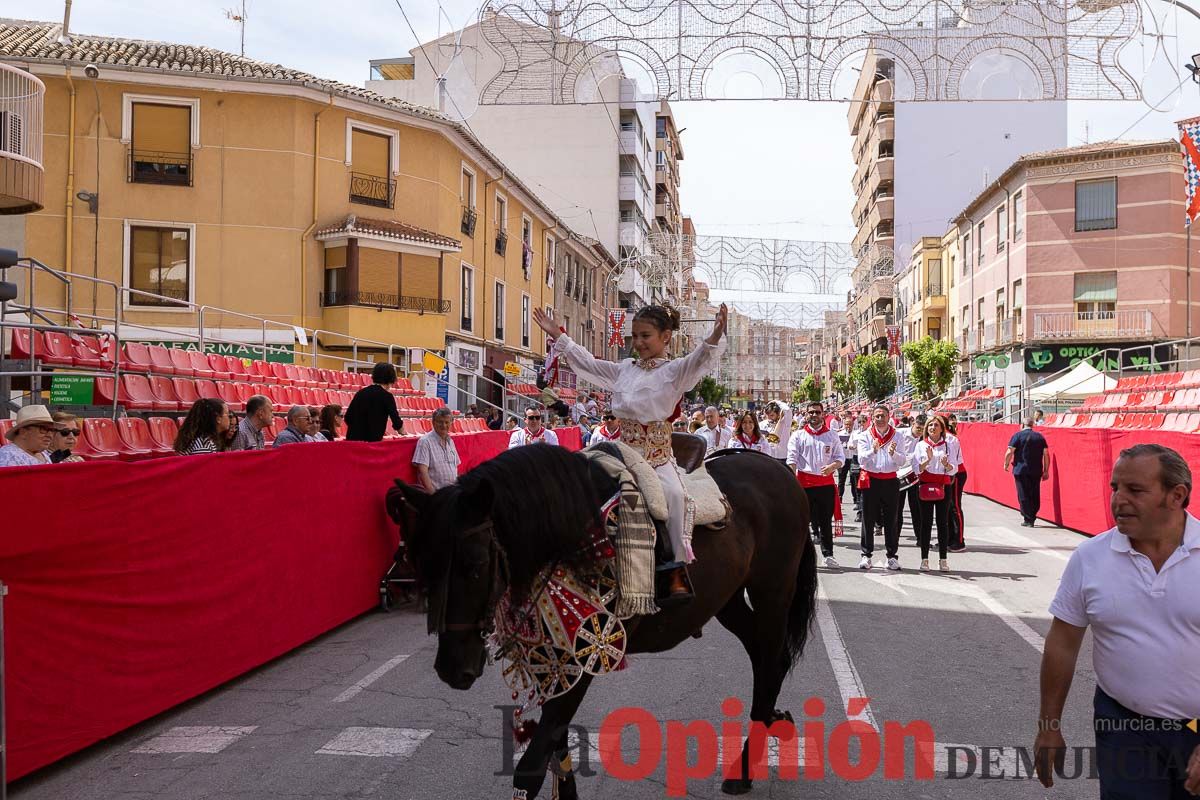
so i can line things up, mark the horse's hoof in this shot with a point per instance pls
(736, 786)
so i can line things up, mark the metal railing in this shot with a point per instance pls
(1093, 324)
(401, 302)
(934, 290)
(22, 98)
(501, 243)
(469, 218)
(160, 167)
(372, 190)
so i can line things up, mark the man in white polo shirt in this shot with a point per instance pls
(1138, 587)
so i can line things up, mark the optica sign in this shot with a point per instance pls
(1053, 358)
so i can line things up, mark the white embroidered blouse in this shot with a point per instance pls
(640, 393)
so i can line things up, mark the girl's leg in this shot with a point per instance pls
(925, 521)
(681, 538)
(942, 511)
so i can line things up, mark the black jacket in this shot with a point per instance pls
(368, 413)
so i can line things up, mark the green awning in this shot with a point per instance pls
(1095, 287)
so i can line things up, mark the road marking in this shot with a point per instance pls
(354, 690)
(961, 589)
(195, 739)
(375, 742)
(849, 682)
(1004, 536)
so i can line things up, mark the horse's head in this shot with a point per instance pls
(453, 548)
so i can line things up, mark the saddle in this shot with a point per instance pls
(712, 509)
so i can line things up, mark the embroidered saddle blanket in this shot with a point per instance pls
(711, 506)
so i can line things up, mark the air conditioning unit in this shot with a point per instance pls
(12, 133)
(591, 325)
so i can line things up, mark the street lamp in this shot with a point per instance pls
(1194, 68)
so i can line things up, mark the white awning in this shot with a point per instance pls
(1081, 382)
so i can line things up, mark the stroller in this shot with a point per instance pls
(398, 586)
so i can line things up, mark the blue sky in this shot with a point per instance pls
(745, 159)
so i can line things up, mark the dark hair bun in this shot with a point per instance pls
(665, 318)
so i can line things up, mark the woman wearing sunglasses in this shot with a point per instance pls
(66, 437)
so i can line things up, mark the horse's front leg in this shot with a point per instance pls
(549, 741)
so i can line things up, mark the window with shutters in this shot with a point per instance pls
(467, 299)
(1018, 216)
(1096, 205)
(160, 149)
(1001, 228)
(158, 266)
(371, 168)
(499, 311)
(1095, 295)
(524, 320)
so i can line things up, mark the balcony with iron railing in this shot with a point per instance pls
(469, 218)
(399, 302)
(1119, 324)
(372, 190)
(501, 243)
(22, 177)
(160, 167)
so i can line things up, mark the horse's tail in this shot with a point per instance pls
(804, 603)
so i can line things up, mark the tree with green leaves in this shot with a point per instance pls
(810, 390)
(708, 390)
(875, 376)
(843, 384)
(930, 365)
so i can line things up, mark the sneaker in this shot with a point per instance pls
(924, 565)
(944, 565)
(864, 562)
(893, 564)
(831, 562)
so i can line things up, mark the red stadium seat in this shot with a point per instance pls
(165, 398)
(208, 389)
(181, 362)
(278, 396)
(229, 393)
(238, 369)
(278, 423)
(261, 371)
(57, 349)
(20, 343)
(219, 366)
(83, 447)
(163, 431)
(103, 436)
(135, 437)
(199, 364)
(136, 358)
(186, 391)
(280, 373)
(306, 396)
(321, 396)
(160, 360)
(134, 392)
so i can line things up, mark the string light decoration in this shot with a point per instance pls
(561, 51)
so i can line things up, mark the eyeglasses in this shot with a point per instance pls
(533, 416)
(67, 431)
(608, 419)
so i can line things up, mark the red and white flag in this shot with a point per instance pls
(1189, 138)
(616, 327)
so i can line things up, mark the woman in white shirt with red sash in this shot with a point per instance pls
(747, 436)
(936, 459)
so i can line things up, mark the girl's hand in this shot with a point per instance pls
(719, 328)
(545, 322)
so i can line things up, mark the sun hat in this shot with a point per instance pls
(30, 415)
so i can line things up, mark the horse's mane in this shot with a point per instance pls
(544, 505)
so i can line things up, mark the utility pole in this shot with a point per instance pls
(240, 18)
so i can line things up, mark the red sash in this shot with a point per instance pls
(864, 477)
(883, 440)
(823, 429)
(810, 481)
(748, 444)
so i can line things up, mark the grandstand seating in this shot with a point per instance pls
(1161, 401)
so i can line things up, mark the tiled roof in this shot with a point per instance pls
(388, 229)
(38, 41)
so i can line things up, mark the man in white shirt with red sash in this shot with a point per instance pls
(880, 453)
(816, 453)
(778, 429)
(533, 432)
(610, 431)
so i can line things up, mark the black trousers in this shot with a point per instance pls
(1029, 495)
(881, 501)
(913, 497)
(820, 509)
(1137, 756)
(935, 511)
(957, 533)
(843, 474)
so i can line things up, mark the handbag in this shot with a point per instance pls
(932, 492)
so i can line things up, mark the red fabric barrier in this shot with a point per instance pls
(136, 586)
(1081, 459)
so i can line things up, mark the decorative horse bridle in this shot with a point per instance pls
(497, 577)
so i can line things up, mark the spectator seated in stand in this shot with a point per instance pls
(330, 422)
(29, 439)
(259, 415)
(373, 406)
(436, 457)
(66, 436)
(299, 421)
(205, 429)
(314, 424)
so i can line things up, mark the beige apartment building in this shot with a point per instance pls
(921, 292)
(873, 125)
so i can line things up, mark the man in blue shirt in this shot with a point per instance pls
(1029, 455)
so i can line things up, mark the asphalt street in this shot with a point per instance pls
(359, 712)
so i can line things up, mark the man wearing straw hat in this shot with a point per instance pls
(29, 439)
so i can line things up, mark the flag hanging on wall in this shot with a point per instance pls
(1189, 138)
(616, 327)
(893, 338)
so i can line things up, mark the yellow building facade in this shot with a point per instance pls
(223, 182)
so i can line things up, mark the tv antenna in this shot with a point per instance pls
(234, 15)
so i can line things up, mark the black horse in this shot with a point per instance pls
(532, 506)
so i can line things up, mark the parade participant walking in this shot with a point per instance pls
(844, 473)
(911, 496)
(748, 435)
(1135, 585)
(936, 459)
(958, 539)
(715, 434)
(610, 431)
(646, 395)
(1029, 456)
(778, 429)
(880, 453)
(816, 454)
(533, 432)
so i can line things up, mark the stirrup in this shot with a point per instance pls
(663, 597)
